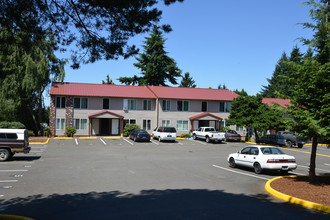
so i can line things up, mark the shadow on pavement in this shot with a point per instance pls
(156, 204)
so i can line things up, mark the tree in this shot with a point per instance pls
(222, 87)
(108, 81)
(311, 100)
(100, 29)
(250, 112)
(25, 76)
(156, 66)
(241, 93)
(187, 81)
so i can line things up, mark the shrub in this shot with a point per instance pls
(130, 127)
(14, 125)
(70, 131)
(185, 136)
(225, 128)
(47, 131)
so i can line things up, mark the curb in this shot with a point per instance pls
(294, 200)
(46, 142)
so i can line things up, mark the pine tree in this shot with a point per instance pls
(108, 81)
(156, 66)
(187, 81)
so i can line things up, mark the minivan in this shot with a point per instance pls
(164, 133)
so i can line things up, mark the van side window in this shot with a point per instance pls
(2, 136)
(11, 136)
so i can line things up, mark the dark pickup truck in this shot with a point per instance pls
(291, 139)
(13, 141)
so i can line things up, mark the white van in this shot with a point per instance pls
(164, 133)
(13, 141)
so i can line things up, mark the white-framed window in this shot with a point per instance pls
(224, 106)
(80, 103)
(60, 123)
(129, 104)
(60, 102)
(106, 104)
(166, 105)
(183, 106)
(204, 107)
(166, 123)
(147, 105)
(182, 125)
(146, 124)
(80, 123)
(129, 121)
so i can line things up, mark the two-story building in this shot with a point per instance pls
(102, 109)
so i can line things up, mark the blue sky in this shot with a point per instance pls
(236, 43)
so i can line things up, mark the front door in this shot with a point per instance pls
(105, 126)
(115, 126)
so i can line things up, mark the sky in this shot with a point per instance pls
(236, 43)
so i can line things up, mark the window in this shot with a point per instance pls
(80, 124)
(147, 105)
(129, 121)
(204, 106)
(182, 125)
(60, 102)
(81, 103)
(246, 150)
(224, 106)
(8, 136)
(106, 104)
(146, 124)
(129, 104)
(60, 124)
(166, 123)
(183, 106)
(166, 105)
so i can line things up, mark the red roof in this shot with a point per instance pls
(203, 115)
(100, 90)
(105, 112)
(271, 101)
(152, 92)
(165, 92)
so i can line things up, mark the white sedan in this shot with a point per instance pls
(263, 158)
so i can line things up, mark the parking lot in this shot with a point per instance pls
(118, 178)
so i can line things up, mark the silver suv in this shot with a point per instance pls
(164, 133)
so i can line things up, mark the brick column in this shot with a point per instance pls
(52, 117)
(69, 111)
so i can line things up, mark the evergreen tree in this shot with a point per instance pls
(108, 81)
(100, 29)
(222, 87)
(241, 93)
(187, 81)
(156, 66)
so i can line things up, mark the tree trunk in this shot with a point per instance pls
(312, 176)
(256, 135)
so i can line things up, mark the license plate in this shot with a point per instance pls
(285, 168)
(169, 135)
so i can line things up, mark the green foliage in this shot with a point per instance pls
(108, 81)
(130, 127)
(47, 131)
(187, 81)
(70, 131)
(185, 136)
(156, 66)
(241, 93)
(14, 125)
(226, 128)
(222, 87)
(99, 29)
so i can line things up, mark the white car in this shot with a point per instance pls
(263, 158)
(164, 133)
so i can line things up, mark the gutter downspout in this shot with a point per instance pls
(157, 104)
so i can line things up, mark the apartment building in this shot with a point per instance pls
(102, 109)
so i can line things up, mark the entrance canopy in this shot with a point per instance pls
(205, 120)
(105, 114)
(205, 116)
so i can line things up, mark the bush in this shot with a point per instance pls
(47, 131)
(225, 128)
(185, 136)
(70, 131)
(14, 125)
(130, 127)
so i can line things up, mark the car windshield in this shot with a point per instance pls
(209, 129)
(231, 131)
(271, 150)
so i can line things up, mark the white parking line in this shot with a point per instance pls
(103, 141)
(154, 142)
(76, 141)
(301, 174)
(13, 170)
(8, 181)
(315, 168)
(128, 141)
(246, 174)
(327, 164)
(199, 142)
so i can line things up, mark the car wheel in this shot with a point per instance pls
(289, 143)
(232, 163)
(194, 137)
(300, 145)
(207, 139)
(257, 168)
(4, 154)
(134, 139)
